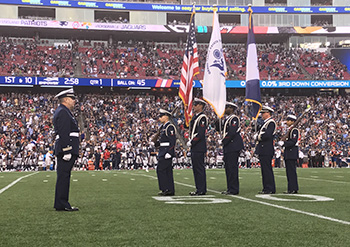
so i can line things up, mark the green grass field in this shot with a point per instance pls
(118, 208)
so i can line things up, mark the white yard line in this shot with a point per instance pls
(16, 181)
(266, 203)
(320, 180)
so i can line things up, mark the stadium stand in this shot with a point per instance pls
(29, 57)
(128, 120)
(113, 120)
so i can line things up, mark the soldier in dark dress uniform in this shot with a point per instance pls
(265, 150)
(66, 147)
(291, 153)
(197, 142)
(232, 143)
(166, 144)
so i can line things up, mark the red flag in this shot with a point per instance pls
(189, 70)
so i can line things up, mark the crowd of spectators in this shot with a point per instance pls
(321, 23)
(116, 128)
(28, 57)
(107, 19)
(323, 66)
(321, 2)
(150, 60)
(34, 17)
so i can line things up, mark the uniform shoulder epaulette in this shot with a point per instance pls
(200, 118)
(267, 124)
(291, 132)
(229, 120)
(166, 129)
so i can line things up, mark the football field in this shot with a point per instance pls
(121, 208)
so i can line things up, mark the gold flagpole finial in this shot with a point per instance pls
(215, 8)
(250, 15)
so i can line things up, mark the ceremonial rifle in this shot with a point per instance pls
(295, 124)
(155, 137)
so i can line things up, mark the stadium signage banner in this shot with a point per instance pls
(157, 83)
(85, 25)
(181, 8)
(17, 80)
(167, 28)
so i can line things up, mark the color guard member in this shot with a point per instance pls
(291, 153)
(265, 150)
(66, 147)
(232, 143)
(198, 145)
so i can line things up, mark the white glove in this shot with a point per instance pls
(167, 156)
(255, 136)
(259, 136)
(189, 144)
(151, 143)
(67, 157)
(280, 143)
(220, 142)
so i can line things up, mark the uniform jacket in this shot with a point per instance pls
(167, 139)
(66, 130)
(291, 150)
(232, 141)
(265, 138)
(197, 131)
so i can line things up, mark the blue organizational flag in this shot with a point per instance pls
(252, 90)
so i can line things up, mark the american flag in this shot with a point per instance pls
(189, 70)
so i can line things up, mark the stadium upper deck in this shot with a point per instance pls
(111, 22)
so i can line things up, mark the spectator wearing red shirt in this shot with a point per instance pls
(106, 159)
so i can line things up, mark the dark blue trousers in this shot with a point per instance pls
(231, 170)
(165, 175)
(198, 168)
(64, 169)
(268, 179)
(291, 170)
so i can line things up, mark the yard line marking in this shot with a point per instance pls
(320, 180)
(16, 181)
(266, 204)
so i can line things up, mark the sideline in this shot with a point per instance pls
(263, 203)
(16, 181)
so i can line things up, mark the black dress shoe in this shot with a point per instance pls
(229, 193)
(68, 209)
(166, 193)
(196, 193)
(291, 192)
(266, 192)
